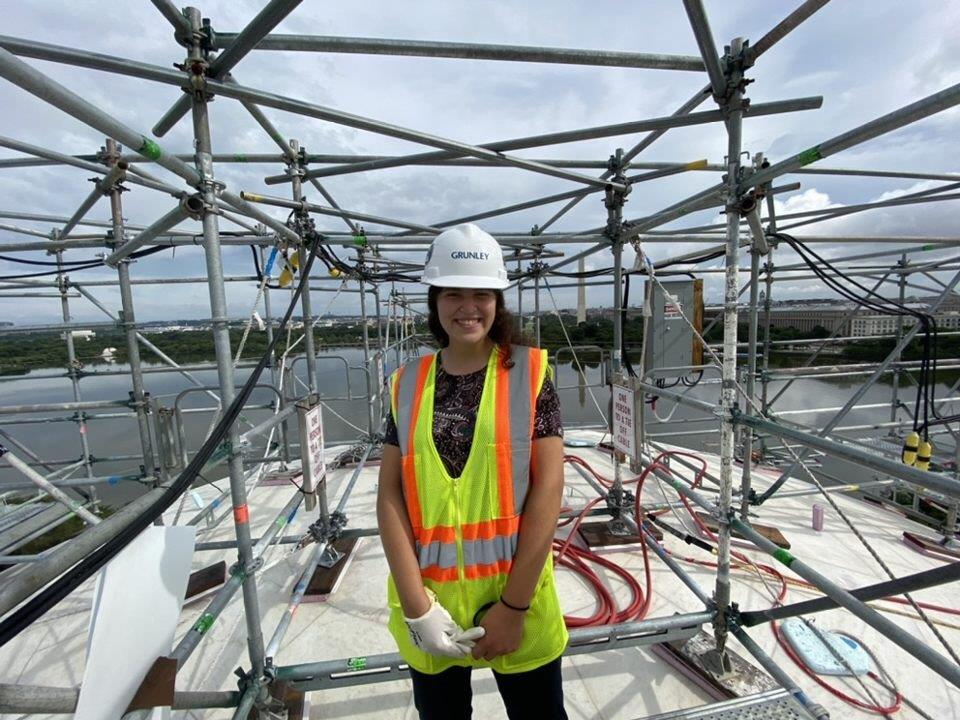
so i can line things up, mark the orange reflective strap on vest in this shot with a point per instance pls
(502, 434)
(409, 471)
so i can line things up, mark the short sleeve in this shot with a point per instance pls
(390, 434)
(547, 421)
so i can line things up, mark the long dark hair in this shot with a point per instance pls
(503, 331)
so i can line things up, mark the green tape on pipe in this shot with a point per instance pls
(240, 158)
(783, 556)
(150, 149)
(204, 623)
(809, 156)
(929, 247)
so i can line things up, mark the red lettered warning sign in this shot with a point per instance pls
(624, 422)
(311, 445)
(672, 309)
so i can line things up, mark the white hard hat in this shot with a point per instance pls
(465, 256)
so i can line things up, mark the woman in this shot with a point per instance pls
(469, 493)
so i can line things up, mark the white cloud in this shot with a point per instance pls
(840, 52)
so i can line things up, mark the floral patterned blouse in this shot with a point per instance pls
(456, 401)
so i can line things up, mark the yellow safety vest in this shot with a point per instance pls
(466, 528)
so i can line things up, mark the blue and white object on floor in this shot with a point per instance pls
(817, 656)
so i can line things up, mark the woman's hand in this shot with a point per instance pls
(503, 632)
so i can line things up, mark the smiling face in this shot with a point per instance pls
(466, 314)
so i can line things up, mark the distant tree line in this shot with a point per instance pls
(20, 353)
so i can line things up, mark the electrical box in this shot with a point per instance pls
(670, 342)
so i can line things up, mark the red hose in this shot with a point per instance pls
(575, 559)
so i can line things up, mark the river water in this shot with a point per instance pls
(581, 403)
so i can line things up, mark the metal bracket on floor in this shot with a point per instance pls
(621, 503)
(326, 530)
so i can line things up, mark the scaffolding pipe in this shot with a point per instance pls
(918, 581)
(189, 206)
(189, 642)
(175, 17)
(258, 28)
(38, 84)
(49, 488)
(943, 667)
(567, 136)
(733, 104)
(468, 51)
(101, 187)
(579, 638)
(129, 319)
(42, 699)
(224, 358)
(861, 391)
(24, 582)
(930, 105)
(778, 673)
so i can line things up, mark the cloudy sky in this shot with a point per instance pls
(865, 57)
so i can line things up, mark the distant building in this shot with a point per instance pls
(840, 318)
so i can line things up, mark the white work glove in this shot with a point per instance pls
(436, 633)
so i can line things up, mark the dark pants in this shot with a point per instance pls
(447, 695)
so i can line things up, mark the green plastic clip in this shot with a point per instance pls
(150, 149)
(809, 156)
(204, 623)
(357, 663)
(784, 557)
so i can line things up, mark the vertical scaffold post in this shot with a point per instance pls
(295, 169)
(613, 201)
(755, 252)
(733, 107)
(381, 354)
(519, 295)
(197, 66)
(536, 298)
(366, 347)
(111, 157)
(895, 390)
(768, 267)
(284, 428)
(73, 366)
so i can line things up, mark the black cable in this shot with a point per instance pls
(926, 386)
(47, 273)
(680, 535)
(49, 263)
(24, 616)
(86, 266)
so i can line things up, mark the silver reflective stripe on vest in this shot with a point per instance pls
(408, 387)
(520, 424)
(488, 552)
(441, 554)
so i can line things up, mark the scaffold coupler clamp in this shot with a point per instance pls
(734, 65)
(245, 570)
(324, 530)
(620, 502)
